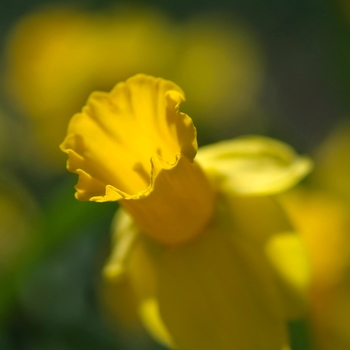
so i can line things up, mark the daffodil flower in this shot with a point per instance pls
(209, 254)
(320, 210)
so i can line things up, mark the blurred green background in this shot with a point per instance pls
(279, 68)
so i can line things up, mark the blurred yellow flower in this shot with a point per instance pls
(211, 258)
(220, 68)
(56, 56)
(320, 212)
(323, 221)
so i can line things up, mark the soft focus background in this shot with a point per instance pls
(278, 68)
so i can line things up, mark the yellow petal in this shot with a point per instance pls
(124, 239)
(200, 296)
(253, 165)
(288, 254)
(260, 224)
(141, 276)
(128, 290)
(323, 221)
(149, 313)
(207, 301)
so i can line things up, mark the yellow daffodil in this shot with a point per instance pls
(323, 221)
(320, 212)
(210, 257)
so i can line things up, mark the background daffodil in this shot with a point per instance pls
(210, 256)
(320, 211)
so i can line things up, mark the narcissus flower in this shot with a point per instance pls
(322, 218)
(321, 211)
(209, 255)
